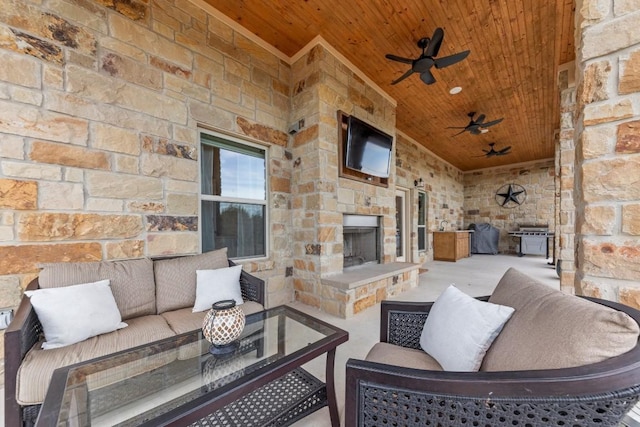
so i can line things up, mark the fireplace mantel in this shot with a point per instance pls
(359, 288)
(360, 276)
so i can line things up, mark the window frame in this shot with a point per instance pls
(209, 197)
(423, 226)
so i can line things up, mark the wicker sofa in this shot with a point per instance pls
(559, 360)
(155, 299)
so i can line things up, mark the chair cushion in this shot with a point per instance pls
(550, 329)
(37, 368)
(131, 281)
(176, 278)
(71, 314)
(460, 329)
(391, 354)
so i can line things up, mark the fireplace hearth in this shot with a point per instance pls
(362, 236)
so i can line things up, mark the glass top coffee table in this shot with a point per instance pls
(177, 382)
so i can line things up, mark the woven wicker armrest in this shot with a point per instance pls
(382, 395)
(252, 288)
(401, 322)
(21, 334)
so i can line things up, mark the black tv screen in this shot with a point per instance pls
(368, 149)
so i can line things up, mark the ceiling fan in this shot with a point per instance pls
(493, 152)
(423, 64)
(477, 126)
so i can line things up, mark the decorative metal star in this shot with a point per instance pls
(511, 194)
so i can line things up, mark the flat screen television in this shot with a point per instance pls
(368, 149)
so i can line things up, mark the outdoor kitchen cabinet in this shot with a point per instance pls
(451, 245)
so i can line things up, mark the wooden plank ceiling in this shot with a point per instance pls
(511, 73)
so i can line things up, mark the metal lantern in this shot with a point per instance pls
(222, 326)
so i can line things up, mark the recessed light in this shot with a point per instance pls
(455, 90)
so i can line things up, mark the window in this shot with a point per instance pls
(233, 197)
(422, 221)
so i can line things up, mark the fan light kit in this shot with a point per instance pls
(477, 126)
(455, 90)
(423, 64)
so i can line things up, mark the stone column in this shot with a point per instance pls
(565, 209)
(607, 146)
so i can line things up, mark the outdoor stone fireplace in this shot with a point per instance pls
(343, 240)
(361, 236)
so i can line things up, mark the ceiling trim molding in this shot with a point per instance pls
(319, 40)
(405, 136)
(202, 4)
(511, 165)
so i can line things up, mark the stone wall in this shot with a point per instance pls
(443, 184)
(565, 187)
(538, 179)
(99, 132)
(608, 150)
(323, 85)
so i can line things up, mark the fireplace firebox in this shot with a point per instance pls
(361, 234)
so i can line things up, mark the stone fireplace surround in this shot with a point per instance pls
(363, 284)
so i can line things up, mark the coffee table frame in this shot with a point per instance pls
(206, 406)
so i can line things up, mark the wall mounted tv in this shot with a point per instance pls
(368, 149)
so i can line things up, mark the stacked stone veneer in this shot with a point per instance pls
(323, 85)
(538, 179)
(608, 150)
(443, 184)
(99, 139)
(565, 186)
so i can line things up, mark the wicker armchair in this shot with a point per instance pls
(384, 395)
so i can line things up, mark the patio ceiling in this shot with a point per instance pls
(516, 49)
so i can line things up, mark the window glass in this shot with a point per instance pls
(233, 197)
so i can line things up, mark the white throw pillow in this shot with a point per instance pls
(71, 314)
(460, 329)
(217, 285)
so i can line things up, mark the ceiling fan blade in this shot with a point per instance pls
(451, 59)
(462, 131)
(402, 77)
(427, 77)
(480, 119)
(399, 59)
(435, 42)
(475, 131)
(494, 122)
(504, 151)
(456, 127)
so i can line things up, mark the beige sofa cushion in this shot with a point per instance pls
(550, 329)
(391, 354)
(37, 368)
(176, 278)
(131, 281)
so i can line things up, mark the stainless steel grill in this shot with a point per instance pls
(533, 239)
